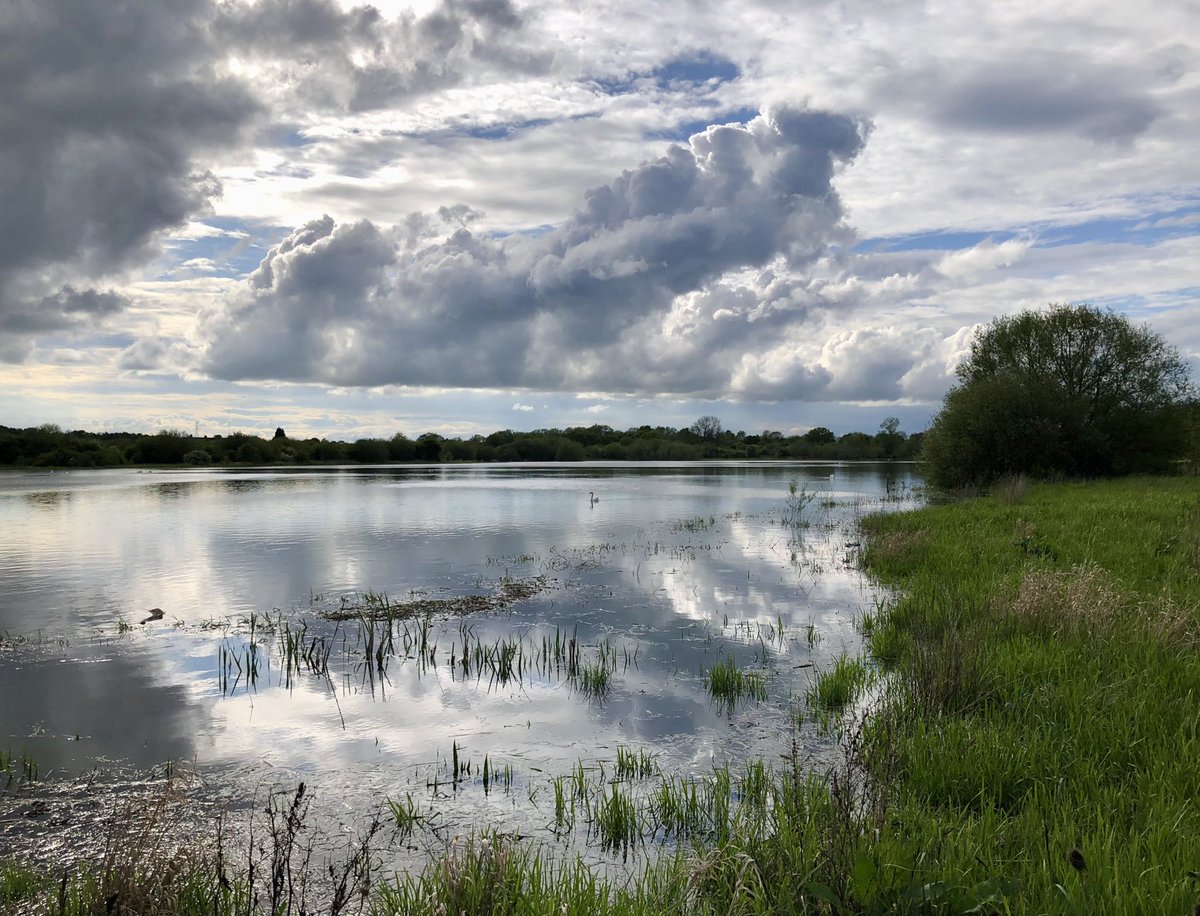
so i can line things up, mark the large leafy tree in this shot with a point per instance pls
(1072, 390)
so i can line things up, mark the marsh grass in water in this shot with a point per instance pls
(17, 769)
(152, 860)
(729, 684)
(836, 687)
(631, 764)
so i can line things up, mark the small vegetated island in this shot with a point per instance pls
(1034, 740)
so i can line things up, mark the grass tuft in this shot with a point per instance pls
(729, 684)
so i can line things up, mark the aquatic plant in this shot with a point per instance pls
(796, 502)
(631, 764)
(594, 678)
(615, 820)
(729, 684)
(836, 687)
(407, 816)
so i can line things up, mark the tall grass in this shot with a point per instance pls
(838, 686)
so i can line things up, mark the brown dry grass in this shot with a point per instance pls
(1085, 601)
(896, 546)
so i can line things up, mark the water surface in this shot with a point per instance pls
(673, 568)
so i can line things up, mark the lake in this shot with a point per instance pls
(587, 626)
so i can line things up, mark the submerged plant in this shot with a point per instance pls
(633, 764)
(594, 678)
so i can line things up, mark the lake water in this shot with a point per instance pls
(673, 569)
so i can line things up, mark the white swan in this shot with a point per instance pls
(593, 498)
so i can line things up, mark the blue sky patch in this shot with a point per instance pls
(704, 68)
(929, 241)
(699, 69)
(682, 131)
(503, 131)
(233, 255)
(1141, 230)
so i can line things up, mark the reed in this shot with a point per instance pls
(631, 764)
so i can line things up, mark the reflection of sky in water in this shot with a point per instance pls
(681, 565)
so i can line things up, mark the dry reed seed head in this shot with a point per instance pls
(1075, 857)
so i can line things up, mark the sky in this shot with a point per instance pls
(459, 216)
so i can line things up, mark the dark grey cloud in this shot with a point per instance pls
(1038, 94)
(625, 295)
(62, 310)
(106, 107)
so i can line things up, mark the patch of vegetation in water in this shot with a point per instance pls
(728, 683)
(837, 687)
(380, 607)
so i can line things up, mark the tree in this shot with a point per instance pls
(428, 447)
(369, 451)
(279, 433)
(707, 428)
(889, 437)
(819, 435)
(1072, 390)
(401, 448)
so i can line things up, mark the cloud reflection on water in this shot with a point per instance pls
(678, 565)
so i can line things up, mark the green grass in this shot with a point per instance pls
(1045, 686)
(837, 687)
(727, 683)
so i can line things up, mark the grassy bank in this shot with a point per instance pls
(1045, 724)
(1036, 750)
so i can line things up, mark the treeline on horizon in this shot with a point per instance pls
(49, 446)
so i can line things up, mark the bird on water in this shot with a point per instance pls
(593, 498)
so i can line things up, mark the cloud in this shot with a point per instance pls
(523, 407)
(150, 354)
(114, 114)
(106, 109)
(1183, 221)
(982, 258)
(65, 309)
(619, 297)
(1078, 97)
(320, 54)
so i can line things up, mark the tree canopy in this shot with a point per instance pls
(49, 446)
(1072, 390)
